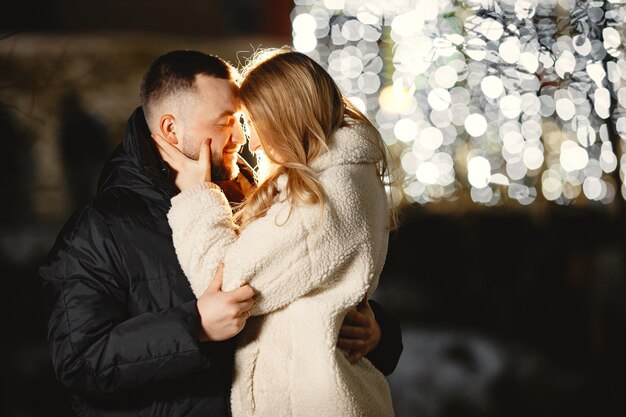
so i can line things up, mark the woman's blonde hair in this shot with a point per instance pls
(296, 107)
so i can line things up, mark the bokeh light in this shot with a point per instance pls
(500, 101)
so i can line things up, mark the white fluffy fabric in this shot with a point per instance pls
(307, 272)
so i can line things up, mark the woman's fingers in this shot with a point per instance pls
(170, 153)
(205, 157)
(164, 149)
(189, 172)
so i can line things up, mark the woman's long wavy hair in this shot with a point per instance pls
(296, 107)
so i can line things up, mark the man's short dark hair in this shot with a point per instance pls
(176, 71)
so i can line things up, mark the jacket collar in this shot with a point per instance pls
(136, 163)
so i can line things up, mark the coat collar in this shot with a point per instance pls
(136, 163)
(355, 143)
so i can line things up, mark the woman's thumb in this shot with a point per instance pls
(216, 285)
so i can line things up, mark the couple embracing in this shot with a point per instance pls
(193, 286)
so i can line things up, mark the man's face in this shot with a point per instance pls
(214, 115)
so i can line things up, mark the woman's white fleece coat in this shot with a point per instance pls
(307, 272)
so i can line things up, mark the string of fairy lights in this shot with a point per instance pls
(502, 101)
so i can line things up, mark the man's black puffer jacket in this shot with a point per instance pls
(123, 323)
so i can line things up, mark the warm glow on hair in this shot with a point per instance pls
(296, 107)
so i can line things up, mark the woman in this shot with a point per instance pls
(311, 240)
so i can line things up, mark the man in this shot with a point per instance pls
(127, 335)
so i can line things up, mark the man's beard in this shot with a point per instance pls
(221, 172)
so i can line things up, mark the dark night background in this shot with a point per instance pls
(506, 311)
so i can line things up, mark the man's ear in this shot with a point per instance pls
(167, 128)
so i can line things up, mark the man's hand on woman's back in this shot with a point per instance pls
(359, 333)
(223, 314)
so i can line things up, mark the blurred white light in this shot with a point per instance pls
(621, 97)
(476, 49)
(602, 102)
(478, 171)
(612, 40)
(593, 169)
(492, 86)
(565, 108)
(529, 61)
(481, 195)
(431, 138)
(592, 187)
(530, 104)
(573, 157)
(367, 18)
(523, 194)
(304, 42)
(459, 113)
(551, 188)
(336, 36)
(304, 23)
(620, 126)
(427, 172)
(533, 158)
(547, 105)
(480, 80)
(439, 99)
(511, 106)
(395, 100)
(531, 130)
(369, 83)
(353, 30)
(405, 130)
(476, 124)
(571, 191)
(335, 4)
(516, 169)
(565, 64)
(414, 189)
(613, 71)
(409, 162)
(582, 45)
(358, 103)
(429, 9)
(499, 179)
(492, 29)
(446, 76)
(596, 73)
(407, 24)
(608, 161)
(513, 142)
(509, 50)
(525, 9)
(351, 66)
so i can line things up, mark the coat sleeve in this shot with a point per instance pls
(98, 348)
(387, 354)
(281, 260)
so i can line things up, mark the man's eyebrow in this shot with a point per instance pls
(226, 113)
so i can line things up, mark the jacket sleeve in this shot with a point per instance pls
(98, 348)
(387, 354)
(282, 261)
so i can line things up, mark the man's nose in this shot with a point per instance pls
(237, 135)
